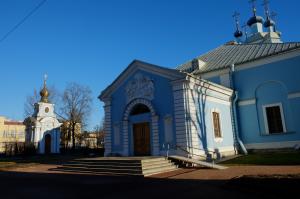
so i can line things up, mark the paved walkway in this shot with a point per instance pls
(36, 181)
(230, 173)
(189, 173)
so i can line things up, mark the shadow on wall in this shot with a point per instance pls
(200, 104)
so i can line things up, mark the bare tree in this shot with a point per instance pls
(35, 97)
(76, 107)
(99, 131)
(29, 103)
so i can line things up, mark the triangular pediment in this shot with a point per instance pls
(136, 65)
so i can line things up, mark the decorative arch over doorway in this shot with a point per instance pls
(139, 106)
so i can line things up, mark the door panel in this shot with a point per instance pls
(141, 136)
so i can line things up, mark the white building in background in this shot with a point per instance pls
(43, 128)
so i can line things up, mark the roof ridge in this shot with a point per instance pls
(252, 44)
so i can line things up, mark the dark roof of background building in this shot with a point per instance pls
(228, 54)
(13, 123)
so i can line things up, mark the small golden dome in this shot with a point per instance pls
(44, 93)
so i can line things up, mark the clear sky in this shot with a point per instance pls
(92, 41)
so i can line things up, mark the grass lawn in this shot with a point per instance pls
(267, 158)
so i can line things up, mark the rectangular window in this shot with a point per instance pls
(274, 119)
(216, 123)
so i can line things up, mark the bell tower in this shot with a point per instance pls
(43, 128)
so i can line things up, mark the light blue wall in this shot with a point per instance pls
(215, 79)
(286, 71)
(204, 123)
(162, 103)
(226, 125)
(267, 84)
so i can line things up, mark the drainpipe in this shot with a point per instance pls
(234, 105)
(236, 128)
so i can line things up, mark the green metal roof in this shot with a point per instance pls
(226, 55)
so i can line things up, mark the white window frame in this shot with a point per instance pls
(266, 119)
(217, 139)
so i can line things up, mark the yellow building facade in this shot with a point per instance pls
(10, 132)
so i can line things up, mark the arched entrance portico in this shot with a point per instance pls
(144, 135)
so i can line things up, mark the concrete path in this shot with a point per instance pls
(230, 173)
(36, 181)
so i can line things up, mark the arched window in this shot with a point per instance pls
(139, 109)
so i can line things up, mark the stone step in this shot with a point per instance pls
(100, 165)
(103, 163)
(109, 161)
(153, 160)
(148, 172)
(105, 172)
(162, 164)
(110, 170)
(156, 162)
(119, 166)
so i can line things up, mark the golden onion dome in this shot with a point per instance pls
(44, 93)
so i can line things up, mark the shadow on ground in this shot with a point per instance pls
(65, 186)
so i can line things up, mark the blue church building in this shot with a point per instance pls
(242, 95)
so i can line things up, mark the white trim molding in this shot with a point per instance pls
(223, 149)
(273, 145)
(217, 100)
(247, 102)
(266, 119)
(294, 95)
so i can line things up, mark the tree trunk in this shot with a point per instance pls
(73, 135)
(68, 137)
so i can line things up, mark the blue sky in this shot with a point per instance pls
(91, 41)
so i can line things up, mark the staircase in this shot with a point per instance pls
(142, 166)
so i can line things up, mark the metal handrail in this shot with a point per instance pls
(189, 153)
(205, 150)
(168, 149)
(186, 151)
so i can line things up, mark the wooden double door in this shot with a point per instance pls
(141, 137)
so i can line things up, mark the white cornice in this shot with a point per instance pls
(294, 95)
(247, 102)
(210, 85)
(214, 73)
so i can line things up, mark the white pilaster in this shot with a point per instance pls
(155, 135)
(179, 94)
(107, 127)
(125, 138)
